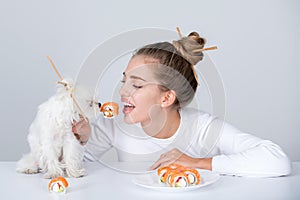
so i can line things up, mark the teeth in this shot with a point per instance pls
(127, 104)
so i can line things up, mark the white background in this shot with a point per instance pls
(258, 45)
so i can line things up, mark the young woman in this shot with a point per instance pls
(158, 83)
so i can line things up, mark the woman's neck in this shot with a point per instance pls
(164, 125)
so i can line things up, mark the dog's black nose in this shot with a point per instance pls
(99, 104)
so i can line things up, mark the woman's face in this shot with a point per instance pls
(140, 93)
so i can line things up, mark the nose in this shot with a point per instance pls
(124, 90)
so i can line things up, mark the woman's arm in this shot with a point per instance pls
(82, 131)
(239, 154)
(177, 157)
(95, 137)
(243, 154)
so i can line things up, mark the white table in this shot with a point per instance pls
(104, 183)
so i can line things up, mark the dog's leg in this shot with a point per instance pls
(73, 157)
(52, 166)
(54, 169)
(28, 164)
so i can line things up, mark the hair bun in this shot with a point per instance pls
(195, 36)
(187, 45)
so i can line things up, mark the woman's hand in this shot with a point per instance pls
(82, 131)
(177, 157)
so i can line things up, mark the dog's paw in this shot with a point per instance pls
(27, 170)
(49, 175)
(53, 174)
(75, 173)
(27, 165)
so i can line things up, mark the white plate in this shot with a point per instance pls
(151, 181)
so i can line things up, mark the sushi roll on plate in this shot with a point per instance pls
(161, 172)
(179, 179)
(193, 175)
(168, 174)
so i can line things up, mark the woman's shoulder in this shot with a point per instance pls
(194, 116)
(194, 112)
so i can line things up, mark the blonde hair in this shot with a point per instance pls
(176, 65)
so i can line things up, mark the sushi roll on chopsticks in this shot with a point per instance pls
(175, 175)
(109, 109)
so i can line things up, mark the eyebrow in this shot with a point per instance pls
(134, 77)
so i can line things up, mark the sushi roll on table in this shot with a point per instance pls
(58, 185)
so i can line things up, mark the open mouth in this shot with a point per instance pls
(128, 107)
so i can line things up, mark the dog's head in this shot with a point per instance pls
(81, 98)
(86, 102)
(65, 86)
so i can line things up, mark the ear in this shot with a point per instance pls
(168, 99)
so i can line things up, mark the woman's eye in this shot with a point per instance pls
(137, 86)
(134, 85)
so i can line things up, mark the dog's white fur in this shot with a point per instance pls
(55, 151)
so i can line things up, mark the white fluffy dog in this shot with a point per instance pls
(55, 151)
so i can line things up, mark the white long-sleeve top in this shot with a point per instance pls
(199, 135)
